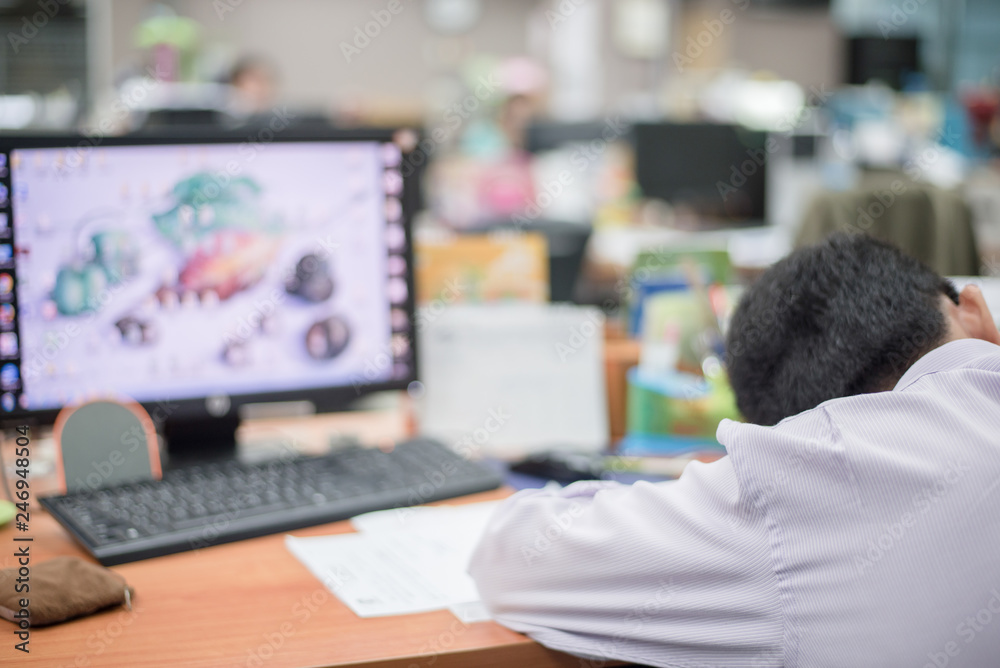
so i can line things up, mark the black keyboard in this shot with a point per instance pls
(219, 502)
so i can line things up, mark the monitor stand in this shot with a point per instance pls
(192, 440)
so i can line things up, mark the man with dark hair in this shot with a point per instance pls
(854, 522)
(846, 317)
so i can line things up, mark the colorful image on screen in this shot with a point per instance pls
(173, 272)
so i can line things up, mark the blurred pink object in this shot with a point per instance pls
(522, 76)
(506, 186)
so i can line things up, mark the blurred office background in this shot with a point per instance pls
(588, 134)
(841, 85)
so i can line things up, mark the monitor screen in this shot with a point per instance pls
(184, 270)
(893, 61)
(712, 172)
(547, 135)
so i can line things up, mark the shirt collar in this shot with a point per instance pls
(952, 355)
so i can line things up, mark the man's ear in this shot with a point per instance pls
(974, 315)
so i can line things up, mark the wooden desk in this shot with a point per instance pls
(621, 353)
(252, 603)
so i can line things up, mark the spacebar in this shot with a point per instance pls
(223, 519)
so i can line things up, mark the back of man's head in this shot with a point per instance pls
(847, 316)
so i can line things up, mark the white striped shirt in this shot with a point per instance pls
(863, 532)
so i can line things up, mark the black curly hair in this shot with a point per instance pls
(847, 316)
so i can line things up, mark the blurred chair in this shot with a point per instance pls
(932, 224)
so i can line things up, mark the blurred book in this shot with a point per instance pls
(670, 270)
(676, 320)
(453, 269)
(669, 262)
(676, 413)
(679, 393)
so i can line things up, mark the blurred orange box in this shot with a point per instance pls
(482, 268)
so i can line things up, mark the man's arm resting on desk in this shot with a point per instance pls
(668, 574)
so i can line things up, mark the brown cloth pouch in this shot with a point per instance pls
(62, 588)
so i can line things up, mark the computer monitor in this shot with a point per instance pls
(894, 61)
(199, 274)
(549, 135)
(715, 174)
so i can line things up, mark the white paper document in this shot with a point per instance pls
(509, 379)
(402, 561)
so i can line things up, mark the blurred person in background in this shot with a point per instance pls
(254, 83)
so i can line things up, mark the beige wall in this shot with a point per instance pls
(803, 45)
(302, 37)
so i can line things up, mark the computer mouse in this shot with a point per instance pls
(561, 466)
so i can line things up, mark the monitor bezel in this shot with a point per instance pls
(323, 399)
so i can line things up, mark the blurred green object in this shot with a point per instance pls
(669, 269)
(934, 225)
(114, 251)
(80, 285)
(678, 309)
(70, 292)
(176, 31)
(661, 401)
(678, 404)
(681, 310)
(95, 281)
(7, 511)
(203, 206)
(668, 262)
